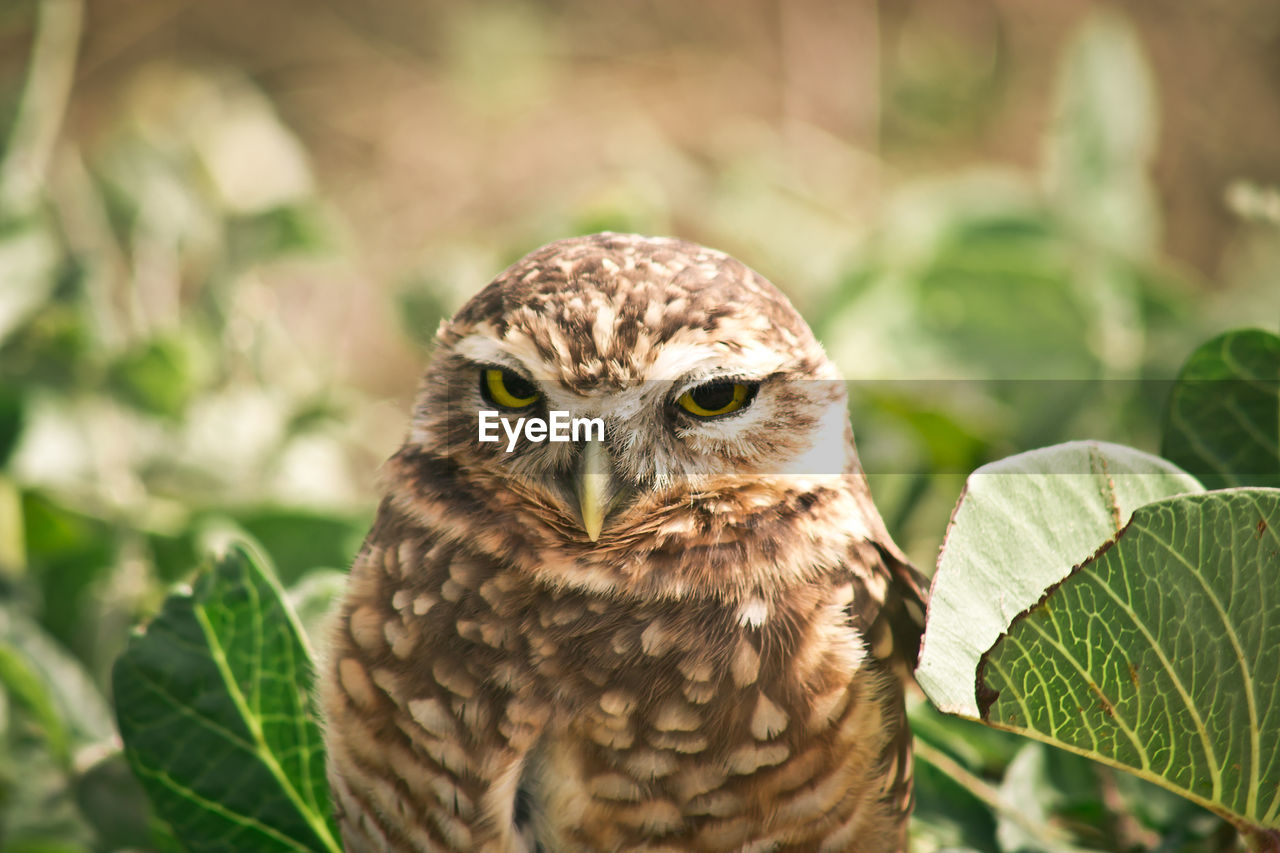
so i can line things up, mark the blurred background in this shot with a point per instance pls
(229, 230)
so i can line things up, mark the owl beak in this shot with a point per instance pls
(595, 487)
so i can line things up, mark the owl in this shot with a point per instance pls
(658, 612)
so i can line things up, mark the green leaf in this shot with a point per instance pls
(112, 801)
(1103, 134)
(300, 540)
(25, 688)
(37, 808)
(1041, 784)
(214, 707)
(1223, 421)
(159, 376)
(945, 813)
(12, 412)
(1161, 654)
(67, 552)
(1020, 526)
(51, 686)
(49, 711)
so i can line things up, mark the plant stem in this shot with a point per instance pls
(44, 100)
(987, 793)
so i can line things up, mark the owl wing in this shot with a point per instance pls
(890, 614)
(428, 721)
(895, 624)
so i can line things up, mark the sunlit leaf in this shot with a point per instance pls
(214, 707)
(1021, 525)
(1161, 654)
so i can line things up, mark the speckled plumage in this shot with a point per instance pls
(719, 671)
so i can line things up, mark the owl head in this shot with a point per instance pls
(675, 376)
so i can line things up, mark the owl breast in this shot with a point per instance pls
(710, 725)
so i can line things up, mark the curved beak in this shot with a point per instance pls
(595, 487)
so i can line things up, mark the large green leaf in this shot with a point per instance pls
(1161, 654)
(1223, 422)
(214, 709)
(1021, 525)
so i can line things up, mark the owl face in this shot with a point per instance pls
(687, 372)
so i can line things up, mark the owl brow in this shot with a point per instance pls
(482, 353)
(688, 383)
(514, 366)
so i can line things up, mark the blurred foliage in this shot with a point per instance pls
(155, 396)
(149, 404)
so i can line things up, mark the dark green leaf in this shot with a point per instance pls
(946, 813)
(11, 417)
(214, 706)
(67, 552)
(1223, 422)
(1161, 654)
(114, 804)
(55, 349)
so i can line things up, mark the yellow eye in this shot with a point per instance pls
(507, 388)
(717, 398)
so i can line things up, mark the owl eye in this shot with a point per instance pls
(717, 398)
(507, 389)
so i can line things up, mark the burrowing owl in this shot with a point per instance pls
(684, 630)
